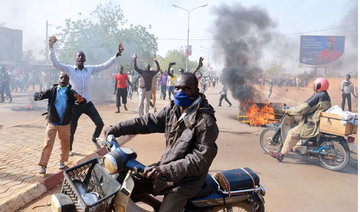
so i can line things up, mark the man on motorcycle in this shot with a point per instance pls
(190, 130)
(310, 111)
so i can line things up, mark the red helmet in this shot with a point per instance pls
(321, 84)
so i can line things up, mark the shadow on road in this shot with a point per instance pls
(237, 132)
(352, 167)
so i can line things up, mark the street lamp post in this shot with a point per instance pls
(188, 30)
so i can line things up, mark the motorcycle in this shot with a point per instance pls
(107, 185)
(332, 150)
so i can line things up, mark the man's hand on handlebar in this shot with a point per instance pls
(153, 172)
(110, 130)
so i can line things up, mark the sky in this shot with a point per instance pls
(169, 24)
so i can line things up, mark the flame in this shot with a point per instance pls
(27, 107)
(259, 116)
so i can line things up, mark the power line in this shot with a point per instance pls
(274, 35)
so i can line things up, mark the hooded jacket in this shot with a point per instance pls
(310, 111)
(190, 144)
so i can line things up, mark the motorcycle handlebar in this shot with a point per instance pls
(132, 163)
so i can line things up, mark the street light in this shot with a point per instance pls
(188, 31)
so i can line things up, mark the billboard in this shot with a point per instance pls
(321, 50)
(188, 50)
(10, 46)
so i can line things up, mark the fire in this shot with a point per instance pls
(259, 116)
(27, 107)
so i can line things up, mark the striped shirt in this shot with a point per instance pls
(80, 79)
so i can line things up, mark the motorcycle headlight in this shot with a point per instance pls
(115, 160)
(110, 164)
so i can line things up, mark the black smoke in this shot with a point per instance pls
(241, 35)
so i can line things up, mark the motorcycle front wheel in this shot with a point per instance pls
(253, 205)
(334, 154)
(266, 142)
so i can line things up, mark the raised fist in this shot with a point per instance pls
(120, 49)
(52, 40)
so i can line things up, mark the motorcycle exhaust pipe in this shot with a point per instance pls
(316, 152)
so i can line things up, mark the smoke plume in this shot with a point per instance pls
(350, 64)
(241, 34)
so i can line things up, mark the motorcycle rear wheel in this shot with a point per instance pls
(256, 205)
(337, 155)
(267, 144)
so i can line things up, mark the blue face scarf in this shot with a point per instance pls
(182, 99)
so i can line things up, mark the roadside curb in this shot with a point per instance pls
(55, 179)
(35, 190)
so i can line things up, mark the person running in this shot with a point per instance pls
(223, 95)
(80, 79)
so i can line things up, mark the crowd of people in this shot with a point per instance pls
(70, 98)
(187, 120)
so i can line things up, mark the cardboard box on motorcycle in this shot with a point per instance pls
(333, 124)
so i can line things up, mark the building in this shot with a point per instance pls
(11, 41)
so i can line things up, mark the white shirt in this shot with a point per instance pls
(346, 86)
(79, 80)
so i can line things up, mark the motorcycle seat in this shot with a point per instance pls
(237, 179)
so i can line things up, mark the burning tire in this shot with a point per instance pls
(268, 143)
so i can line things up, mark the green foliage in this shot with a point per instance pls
(100, 34)
(274, 70)
(180, 59)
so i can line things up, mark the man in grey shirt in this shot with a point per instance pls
(347, 88)
(80, 78)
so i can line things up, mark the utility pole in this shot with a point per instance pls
(46, 43)
(187, 50)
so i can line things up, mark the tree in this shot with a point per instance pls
(274, 70)
(180, 59)
(99, 35)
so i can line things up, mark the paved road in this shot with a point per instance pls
(296, 184)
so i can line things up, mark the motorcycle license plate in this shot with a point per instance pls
(352, 146)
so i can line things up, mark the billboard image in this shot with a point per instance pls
(321, 50)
